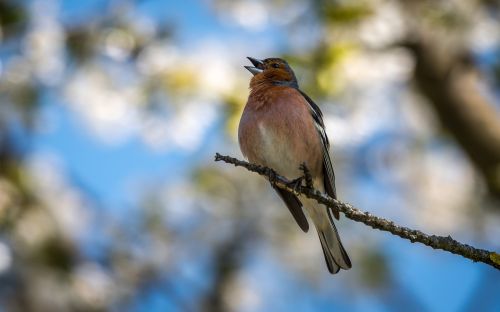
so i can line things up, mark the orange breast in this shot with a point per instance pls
(277, 130)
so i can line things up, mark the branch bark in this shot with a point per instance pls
(436, 242)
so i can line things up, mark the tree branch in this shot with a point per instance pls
(434, 241)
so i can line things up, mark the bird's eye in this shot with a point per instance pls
(276, 65)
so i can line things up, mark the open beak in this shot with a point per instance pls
(257, 68)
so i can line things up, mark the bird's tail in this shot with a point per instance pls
(335, 255)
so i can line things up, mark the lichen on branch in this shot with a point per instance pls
(446, 243)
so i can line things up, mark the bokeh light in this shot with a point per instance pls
(111, 113)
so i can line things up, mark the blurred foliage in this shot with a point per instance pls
(374, 271)
(496, 71)
(13, 18)
(80, 44)
(344, 13)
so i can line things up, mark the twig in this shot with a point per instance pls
(434, 241)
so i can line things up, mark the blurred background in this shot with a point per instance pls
(111, 113)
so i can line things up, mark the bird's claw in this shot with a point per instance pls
(271, 174)
(295, 184)
(307, 175)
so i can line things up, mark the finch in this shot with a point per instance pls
(282, 128)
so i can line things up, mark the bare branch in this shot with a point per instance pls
(434, 241)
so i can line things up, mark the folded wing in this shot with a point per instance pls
(329, 175)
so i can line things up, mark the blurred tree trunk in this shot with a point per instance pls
(227, 263)
(451, 84)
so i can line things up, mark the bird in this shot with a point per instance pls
(282, 128)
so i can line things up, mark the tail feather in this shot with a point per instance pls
(330, 262)
(335, 239)
(295, 207)
(332, 246)
(335, 255)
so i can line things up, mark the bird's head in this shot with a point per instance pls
(271, 70)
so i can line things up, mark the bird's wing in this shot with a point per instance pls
(295, 207)
(329, 178)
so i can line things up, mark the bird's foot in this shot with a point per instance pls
(271, 175)
(295, 184)
(307, 175)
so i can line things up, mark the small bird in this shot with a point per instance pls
(282, 128)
